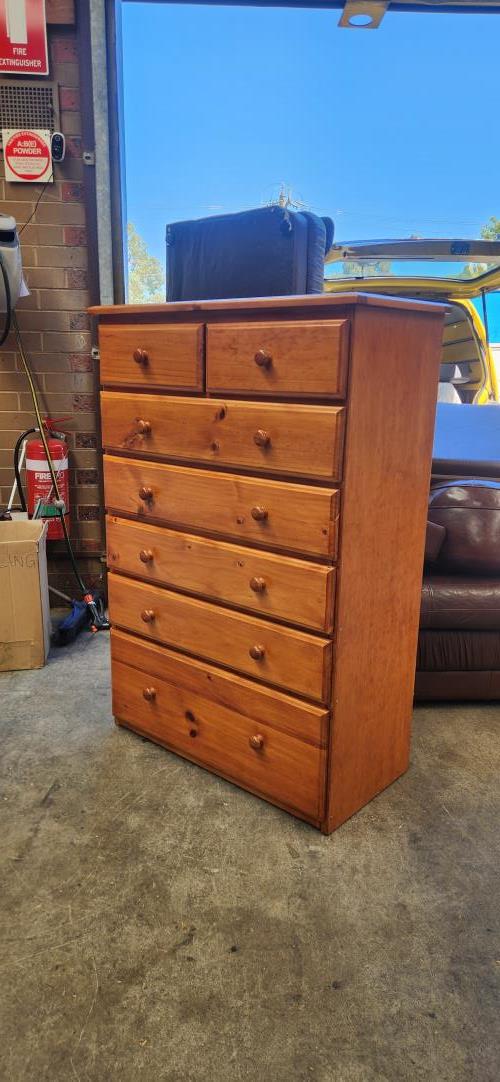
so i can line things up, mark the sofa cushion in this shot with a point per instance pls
(470, 512)
(454, 650)
(433, 686)
(459, 602)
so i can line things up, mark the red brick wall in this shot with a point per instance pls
(54, 321)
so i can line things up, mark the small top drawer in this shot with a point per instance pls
(306, 359)
(152, 355)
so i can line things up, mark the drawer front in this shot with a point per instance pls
(302, 359)
(277, 438)
(255, 756)
(148, 355)
(306, 721)
(276, 586)
(274, 514)
(277, 655)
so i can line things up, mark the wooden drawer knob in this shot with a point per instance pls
(149, 694)
(259, 514)
(146, 556)
(263, 358)
(257, 652)
(144, 427)
(148, 616)
(140, 357)
(256, 742)
(257, 584)
(145, 493)
(262, 438)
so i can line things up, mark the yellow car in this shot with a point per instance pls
(460, 272)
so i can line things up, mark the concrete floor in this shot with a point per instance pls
(161, 925)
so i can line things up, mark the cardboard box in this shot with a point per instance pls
(24, 595)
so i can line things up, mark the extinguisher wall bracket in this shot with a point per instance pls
(49, 424)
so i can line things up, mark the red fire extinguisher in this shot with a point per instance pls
(40, 490)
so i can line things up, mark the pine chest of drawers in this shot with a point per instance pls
(266, 476)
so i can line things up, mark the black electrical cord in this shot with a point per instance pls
(96, 609)
(35, 208)
(8, 296)
(17, 471)
(8, 304)
(43, 438)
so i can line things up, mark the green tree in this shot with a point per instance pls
(146, 277)
(378, 269)
(351, 268)
(491, 231)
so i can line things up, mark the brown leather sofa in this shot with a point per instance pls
(459, 640)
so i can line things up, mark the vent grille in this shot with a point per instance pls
(29, 105)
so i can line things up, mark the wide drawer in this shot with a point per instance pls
(291, 659)
(301, 359)
(277, 586)
(244, 750)
(150, 355)
(274, 437)
(301, 719)
(274, 514)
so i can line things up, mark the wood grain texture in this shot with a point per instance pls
(308, 303)
(267, 705)
(268, 761)
(166, 357)
(275, 438)
(276, 586)
(199, 524)
(294, 660)
(392, 402)
(295, 358)
(298, 518)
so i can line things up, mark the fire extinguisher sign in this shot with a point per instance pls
(23, 38)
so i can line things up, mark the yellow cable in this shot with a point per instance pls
(34, 395)
(38, 415)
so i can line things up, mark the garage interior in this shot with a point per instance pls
(158, 921)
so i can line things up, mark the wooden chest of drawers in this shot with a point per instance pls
(266, 475)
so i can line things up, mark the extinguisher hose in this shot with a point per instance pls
(98, 621)
(17, 472)
(48, 456)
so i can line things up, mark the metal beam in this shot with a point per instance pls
(102, 168)
(428, 7)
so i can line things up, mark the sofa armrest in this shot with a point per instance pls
(434, 537)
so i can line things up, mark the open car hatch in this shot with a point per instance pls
(460, 272)
(461, 268)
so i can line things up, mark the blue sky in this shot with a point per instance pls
(391, 132)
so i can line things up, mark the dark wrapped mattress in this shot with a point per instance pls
(268, 252)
